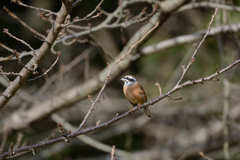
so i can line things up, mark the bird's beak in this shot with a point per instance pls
(122, 79)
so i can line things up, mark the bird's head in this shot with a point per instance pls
(129, 80)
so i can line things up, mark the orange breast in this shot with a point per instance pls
(135, 94)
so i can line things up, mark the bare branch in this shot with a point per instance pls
(23, 23)
(39, 54)
(20, 40)
(117, 118)
(58, 55)
(160, 89)
(109, 75)
(37, 9)
(196, 4)
(163, 45)
(89, 16)
(195, 52)
(174, 97)
(19, 60)
(11, 57)
(4, 75)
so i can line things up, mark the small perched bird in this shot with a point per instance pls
(135, 93)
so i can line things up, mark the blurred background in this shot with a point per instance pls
(206, 119)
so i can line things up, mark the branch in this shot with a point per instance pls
(195, 52)
(109, 74)
(39, 54)
(20, 40)
(117, 118)
(23, 23)
(58, 55)
(163, 45)
(208, 4)
(37, 9)
(81, 91)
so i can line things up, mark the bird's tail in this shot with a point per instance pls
(148, 112)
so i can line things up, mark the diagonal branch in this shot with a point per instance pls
(39, 54)
(117, 118)
(92, 85)
(195, 52)
(109, 74)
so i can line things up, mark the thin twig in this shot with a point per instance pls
(117, 118)
(195, 52)
(37, 9)
(20, 40)
(11, 149)
(19, 60)
(174, 97)
(23, 23)
(89, 16)
(58, 55)
(108, 77)
(64, 134)
(19, 139)
(4, 75)
(160, 89)
(92, 142)
(10, 73)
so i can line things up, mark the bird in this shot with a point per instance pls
(135, 93)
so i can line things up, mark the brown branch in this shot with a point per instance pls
(39, 54)
(94, 84)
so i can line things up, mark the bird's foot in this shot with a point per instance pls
(138, 105)
(131, 109)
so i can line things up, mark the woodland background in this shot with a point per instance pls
(206, 120)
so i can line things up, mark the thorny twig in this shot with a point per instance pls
(109, 75)
(195, 52)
